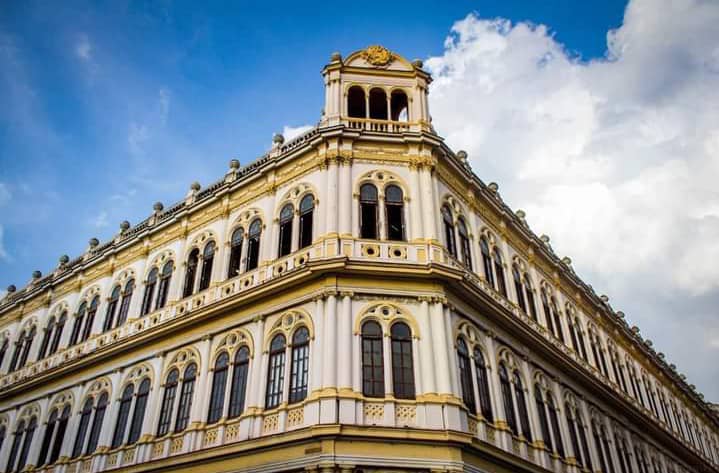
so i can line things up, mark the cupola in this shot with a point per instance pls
(376, 90)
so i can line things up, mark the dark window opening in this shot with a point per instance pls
(378, 104)
(253, 245)
(398, 101)
(402, 363)
(276, 374)
(394, 208)
(235, 253)
(356, 105)
(192, 262)
(307, 207)
(285, 240)
(300, 365)
(372, 360)
(368, 211)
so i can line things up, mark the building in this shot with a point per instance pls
(354, 300)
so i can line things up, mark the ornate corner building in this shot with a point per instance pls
(354, 300)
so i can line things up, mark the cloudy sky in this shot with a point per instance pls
(600, 121)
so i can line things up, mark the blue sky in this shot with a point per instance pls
(111, 106)
(594, 117)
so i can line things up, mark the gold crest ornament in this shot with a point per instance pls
(377, 55)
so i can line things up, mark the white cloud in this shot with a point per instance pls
(83, 48)
(3, 252)
(136, 138)
(290, 132)
(100, 221)
(5, 194)
(616, 159)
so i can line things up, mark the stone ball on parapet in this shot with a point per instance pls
(157, 207)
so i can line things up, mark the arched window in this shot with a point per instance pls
(522, 407)
(356, 105)
(554, 419)
(27, 442)
(276, 372)
(190, 274)
(580, 339)
(29, 337)
(58, 334)
(480, 367)
(586, 458)
(599, 442)
(164, 287)
(507, 399)
(77, 325)
(46, 338)
(149, 291)
(578, 437)
(449, 230)
(499, 272)
(217, 394)
(307, 207)
(378, 104)
(207, 256)
(138, 416)
(300, 365)
(529, 292)
(90, 319)
(111, 309)
(125, 304)
(85, 416)
(402, 363)
(519, 288)
(285, 240)
(59, 435)
(186, 393)
(543, 418)
(398, 105)
(253, 245)
(97, 424)
(372, 360)
(3, 350)
(235, 252)
(394, 211)
(16, 353)
(123, 414)
(486, 261)
(465, 376)
(239, 382)
(547, 312)
(368, 211)
(168, 402)
(17, 441)
(625, 461)
(464, 243)
(47, 438)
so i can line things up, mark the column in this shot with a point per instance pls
(331, 196)
(344, 338)
(317, 353)
(493, 378)
(387, 360)
(329, 375)
(345, 198)
(219, 264)
(175, 291)
(439, 340)
(268, 245)
(593, 448)
(529, 399)
(452, 362)
(426, 352)
(428, 203)
(415, 227)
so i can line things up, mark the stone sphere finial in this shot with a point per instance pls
(673, 366)
(124, 226)
(648, 342)
(635, 329)
(417, 63)
(195, 186)
(158, 207)
(278, 139)
(234, 164)
(544, 238)
(604, 298)
(335, 57)
(11, 288)
(462, 155)
(64, 259)
(521, 213)
(567, 260)
(493, 186)
(36, 274)
(94, 242)
(620, 314)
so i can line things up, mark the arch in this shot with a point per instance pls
(97, 387)
(287, 214)
(386, 313)
(449, 235)
(244, 218)
(356, 102)
(399, 105)
(287, 323)
(369, 211)
(137, 373)
(378, 106)
(158, 261)
(236, 240)
(402, 360)
(59, 401)
(233, 341)
(276, 371)
(372, 359)
(254, 233)
(464, 245)
(394, 212)
(124, 276)
(181, 359)
(381, 178)
(300, 343)
(466, 376)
